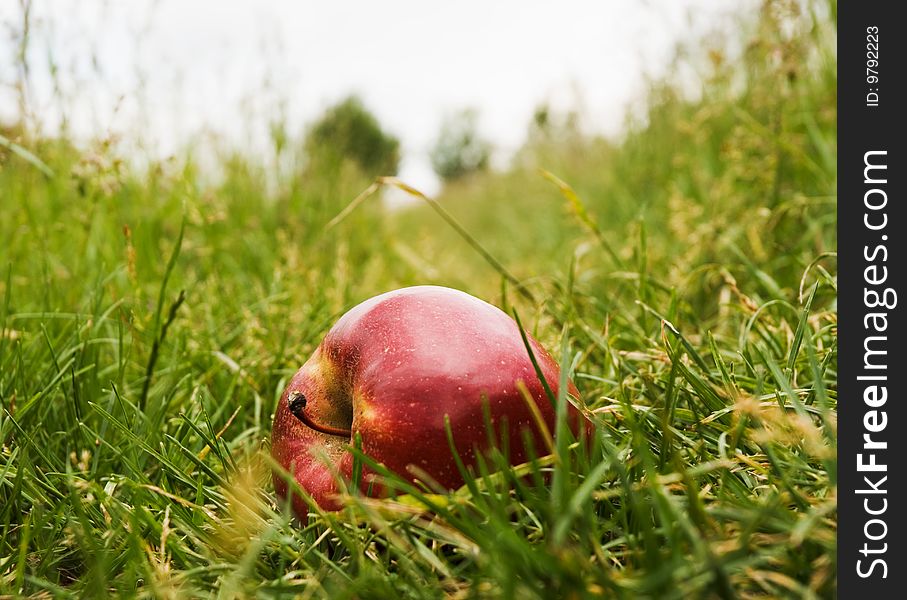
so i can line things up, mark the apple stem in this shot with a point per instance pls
(297, 407)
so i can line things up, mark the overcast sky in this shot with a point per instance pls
(164, 70)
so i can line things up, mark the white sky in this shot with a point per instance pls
(163, 70)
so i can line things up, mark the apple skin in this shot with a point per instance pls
(391, 369)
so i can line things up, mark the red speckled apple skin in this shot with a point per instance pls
(391, 369)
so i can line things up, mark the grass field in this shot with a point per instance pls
(686, 274)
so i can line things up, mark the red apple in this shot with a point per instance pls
(391, 369)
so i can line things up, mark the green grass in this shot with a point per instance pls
(685, 275)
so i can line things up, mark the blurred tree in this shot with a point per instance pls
(459, 150)
(349, 131)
